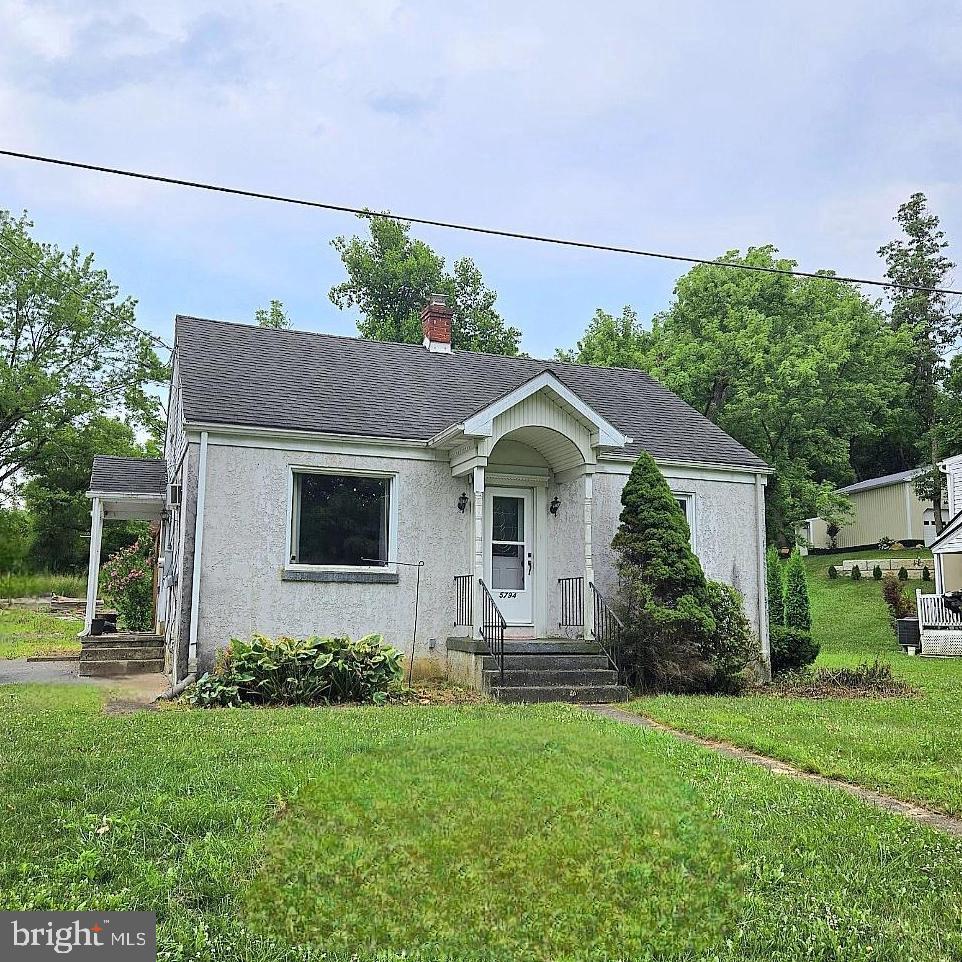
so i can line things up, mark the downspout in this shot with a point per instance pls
(198, 552)
(762, 579)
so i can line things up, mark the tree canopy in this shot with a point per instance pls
(274, 317)
(390, 276)
(69, 349)
(794, 368)
(933, 324)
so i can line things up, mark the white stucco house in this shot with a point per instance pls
(306, 476)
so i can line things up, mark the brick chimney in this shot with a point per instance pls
(436, 324)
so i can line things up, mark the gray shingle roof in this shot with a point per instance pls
(245, 375)
(113, 475)
(882, 482)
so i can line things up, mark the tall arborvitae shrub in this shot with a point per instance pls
(798, 608)
(671, 633)
(775, 577)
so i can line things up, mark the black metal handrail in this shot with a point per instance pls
(607, 629)
(572, 602)
(492, 627)
(463, 601)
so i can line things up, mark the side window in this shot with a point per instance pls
(686, 501)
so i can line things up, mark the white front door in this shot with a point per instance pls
(509, 552)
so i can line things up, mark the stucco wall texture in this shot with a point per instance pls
(242, 589)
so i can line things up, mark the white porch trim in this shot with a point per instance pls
(587, 595)
(93, 564)
(478, 563)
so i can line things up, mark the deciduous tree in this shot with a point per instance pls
(390, 276)
(68, 348)
(274, 316)
(933, 323)
(794, 368)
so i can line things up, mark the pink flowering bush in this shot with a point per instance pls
(126, 581)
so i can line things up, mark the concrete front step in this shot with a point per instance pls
(547, 662)
(123, 653)
(111, 669)
(575, 695)
(551, 679)
(531, 646)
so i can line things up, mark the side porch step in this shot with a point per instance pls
(122, 653)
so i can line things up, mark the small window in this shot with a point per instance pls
(340, 519)
(687, 504)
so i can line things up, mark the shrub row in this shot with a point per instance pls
(789, 614)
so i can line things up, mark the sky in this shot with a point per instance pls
(691, 127)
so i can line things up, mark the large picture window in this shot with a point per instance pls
(340, 519)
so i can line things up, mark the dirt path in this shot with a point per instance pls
(936, 820)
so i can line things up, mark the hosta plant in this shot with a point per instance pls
(300, 671)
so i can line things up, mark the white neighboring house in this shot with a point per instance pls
(940, 625)
(305, 474)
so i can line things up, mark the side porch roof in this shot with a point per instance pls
(129, 488)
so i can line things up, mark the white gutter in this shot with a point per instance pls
(198, 550)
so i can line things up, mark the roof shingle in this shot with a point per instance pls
(244, 375)
(116, 475)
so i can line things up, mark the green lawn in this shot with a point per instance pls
(25, 633)
(42, 583)
(458, 833)
(911, 748)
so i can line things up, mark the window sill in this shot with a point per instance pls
(348, 577)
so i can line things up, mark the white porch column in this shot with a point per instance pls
(476, 608)
(588, 594)
(93, 564)
(939, 575)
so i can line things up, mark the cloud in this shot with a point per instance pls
(692, 127)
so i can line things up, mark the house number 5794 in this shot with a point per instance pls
(508, 594)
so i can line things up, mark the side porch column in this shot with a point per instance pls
(93, 565)
(588, 594)
(939, 574)
(477, 603)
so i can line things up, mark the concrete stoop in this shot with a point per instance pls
(538, 670)
(123, 653)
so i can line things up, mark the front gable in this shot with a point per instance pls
(542, 413)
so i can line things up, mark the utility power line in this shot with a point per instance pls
(15, 250)
(470, 228)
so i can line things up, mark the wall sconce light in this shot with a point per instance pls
(462, 502)
(553, 507)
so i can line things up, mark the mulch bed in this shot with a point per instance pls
(437, 693)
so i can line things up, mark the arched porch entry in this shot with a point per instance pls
(516, 453)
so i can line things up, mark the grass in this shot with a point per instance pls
(40, 584)
(451, 833)
(24, 633)
(910, 748)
